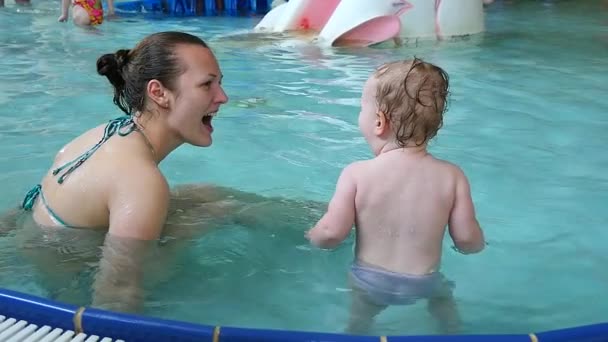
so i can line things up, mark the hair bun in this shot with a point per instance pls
(122, 57)
(111, 64)
(107, 64)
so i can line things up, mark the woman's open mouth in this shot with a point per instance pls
(207, 121)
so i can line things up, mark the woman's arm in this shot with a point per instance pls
(196, 208)
(9, 220)
(118, 283)
(138, 209)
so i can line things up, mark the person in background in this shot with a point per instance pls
(85, 13)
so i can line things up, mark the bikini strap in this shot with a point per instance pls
(122, 126)
(30, 200)
(30, 197)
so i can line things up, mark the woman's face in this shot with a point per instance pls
(198, 95)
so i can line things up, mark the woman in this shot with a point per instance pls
(169, 87)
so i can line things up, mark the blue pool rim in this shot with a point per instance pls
(133, 328)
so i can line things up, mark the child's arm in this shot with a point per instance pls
(65, 6)
(338, 221)
(463, 226)
(110, 8)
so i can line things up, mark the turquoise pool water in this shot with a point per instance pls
(527, 122)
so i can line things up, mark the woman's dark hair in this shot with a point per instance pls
(129, 71)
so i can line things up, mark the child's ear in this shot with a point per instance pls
(381, 124)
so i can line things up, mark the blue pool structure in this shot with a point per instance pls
(184, 8)
(42, 312)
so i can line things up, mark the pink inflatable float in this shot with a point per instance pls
(367, 22)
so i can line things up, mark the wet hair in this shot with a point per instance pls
(154, 58)
(413, 95)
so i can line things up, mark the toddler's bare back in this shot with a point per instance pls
(403, 205)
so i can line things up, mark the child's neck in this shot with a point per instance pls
(410, 148)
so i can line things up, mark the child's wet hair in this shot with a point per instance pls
(413, 95)
(129, 71)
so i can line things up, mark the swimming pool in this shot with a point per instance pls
(526, 122)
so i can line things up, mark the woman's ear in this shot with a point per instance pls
(158, 93)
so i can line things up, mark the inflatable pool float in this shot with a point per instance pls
(366, 22)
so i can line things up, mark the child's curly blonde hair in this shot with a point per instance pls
(413, 95)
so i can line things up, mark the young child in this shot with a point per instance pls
(402, 200)
(85, 12)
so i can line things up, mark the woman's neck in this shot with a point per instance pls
(160, 139)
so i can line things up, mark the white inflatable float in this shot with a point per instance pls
(367, 22)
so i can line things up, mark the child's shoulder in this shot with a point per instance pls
(356, 169)
(448, 166)
(446, 163)
(360, 165)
